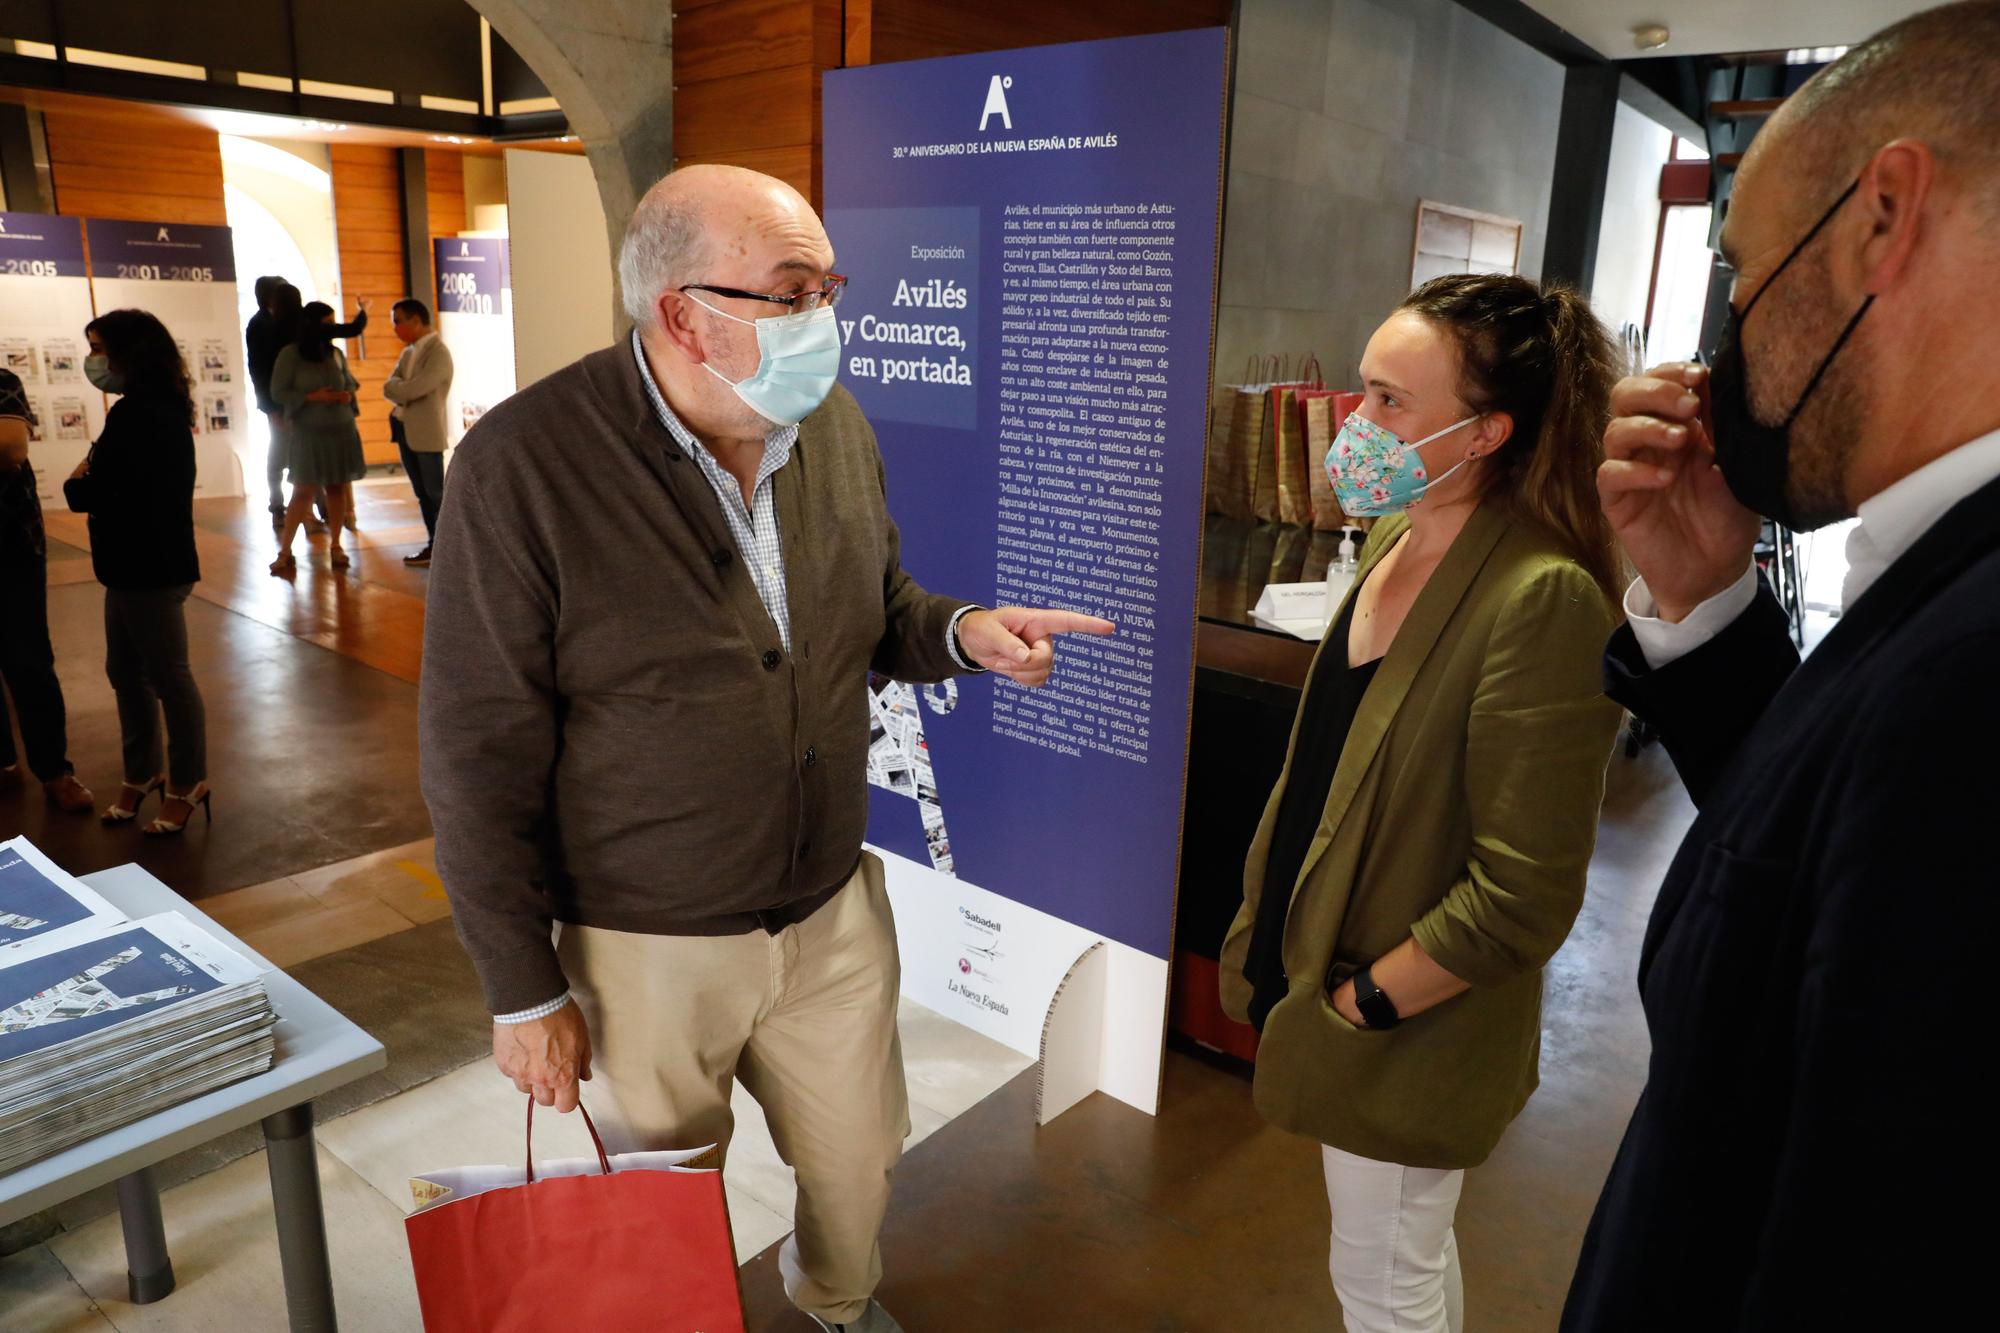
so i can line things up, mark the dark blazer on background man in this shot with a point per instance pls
(1817, 973)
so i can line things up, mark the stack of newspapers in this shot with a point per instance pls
(104, 1021)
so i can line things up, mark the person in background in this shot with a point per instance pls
(685, 599)
(312, 382)
(418, 387)
(1425, 850)
(1818, 967)
(282, 332)
(137, 486)
(262, 339)
(27, 660)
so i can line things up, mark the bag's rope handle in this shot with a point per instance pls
(596, 1142)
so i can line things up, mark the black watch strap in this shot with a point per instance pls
(1377, 1010)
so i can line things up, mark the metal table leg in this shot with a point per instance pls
(288, 1135)
(149, 1270)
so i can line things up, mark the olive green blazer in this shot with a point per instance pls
(1463, 811)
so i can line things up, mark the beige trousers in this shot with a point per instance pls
(806, 1020)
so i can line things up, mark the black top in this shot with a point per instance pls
(1817, 974)
(1326, 714)
(139, 494)
(20, 507)
(263, 340)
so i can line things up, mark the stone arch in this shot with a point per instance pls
(609, 65)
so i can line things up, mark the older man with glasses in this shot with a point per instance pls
(664, 578)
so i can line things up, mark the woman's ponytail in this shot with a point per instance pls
(1542, 357)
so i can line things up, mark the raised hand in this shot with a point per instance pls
(1659, 485)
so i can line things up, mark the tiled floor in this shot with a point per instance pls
(1201, 1218)
(223, 1240)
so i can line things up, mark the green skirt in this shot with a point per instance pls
(323, 455)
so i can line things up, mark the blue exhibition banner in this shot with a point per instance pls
(160, 251)
(471, 274)
(1030, 238)
(41, 245)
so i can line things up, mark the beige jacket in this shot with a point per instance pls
(418, 387)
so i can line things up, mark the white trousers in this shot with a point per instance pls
(1394, 1259)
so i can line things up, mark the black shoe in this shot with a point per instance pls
(422, 558)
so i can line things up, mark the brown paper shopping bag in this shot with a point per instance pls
(1291, 489)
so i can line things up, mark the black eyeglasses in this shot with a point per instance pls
(827, 294)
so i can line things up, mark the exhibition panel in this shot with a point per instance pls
(186, 275)
(44, 304)
(1032, 239)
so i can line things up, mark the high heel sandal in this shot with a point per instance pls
(285, 565)
(122, 813)
(196, 795)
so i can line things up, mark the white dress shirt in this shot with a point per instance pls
(1891, 523)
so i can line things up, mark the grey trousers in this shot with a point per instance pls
(146, 658)
(275, 461)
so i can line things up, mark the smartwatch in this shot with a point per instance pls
(1377, 1010)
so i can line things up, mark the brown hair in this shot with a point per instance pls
(1539, 355)
(147, 356)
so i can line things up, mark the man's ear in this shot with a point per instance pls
(1895, 187)
(676, 324)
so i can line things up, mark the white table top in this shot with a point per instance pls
(318, 1051)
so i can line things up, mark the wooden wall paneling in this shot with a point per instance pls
(747, 36)
(798, 165)
(772, 108)
(444, 184)
(368, 229)
(127, 161)
(920, 29)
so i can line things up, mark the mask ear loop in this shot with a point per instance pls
(1813, 383)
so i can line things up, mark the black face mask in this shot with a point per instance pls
(1755, 458)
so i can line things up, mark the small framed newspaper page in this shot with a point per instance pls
(1451, 239)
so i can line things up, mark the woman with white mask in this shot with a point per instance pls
(1425, 850)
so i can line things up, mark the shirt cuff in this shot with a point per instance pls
(1663, 641)
(951, 641)
(539, 1011)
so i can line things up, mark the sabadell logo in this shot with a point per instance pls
(973, 918)
(996, 102)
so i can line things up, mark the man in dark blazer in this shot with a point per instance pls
(1818, 966)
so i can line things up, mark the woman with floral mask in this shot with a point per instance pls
(1425, 850)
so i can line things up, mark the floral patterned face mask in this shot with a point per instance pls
(1374, 473)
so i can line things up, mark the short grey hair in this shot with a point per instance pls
(666, 246)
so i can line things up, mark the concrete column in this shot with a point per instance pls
(1583, 165)
(609, 65)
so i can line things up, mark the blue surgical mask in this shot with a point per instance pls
(798, 361)
(1374, 473)
(97, 369)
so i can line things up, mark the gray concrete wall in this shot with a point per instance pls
(609, 65)
(1347, 112)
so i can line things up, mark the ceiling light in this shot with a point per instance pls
(1651, 36)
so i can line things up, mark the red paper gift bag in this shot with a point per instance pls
(624, 1248)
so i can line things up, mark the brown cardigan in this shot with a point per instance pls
(611, 733)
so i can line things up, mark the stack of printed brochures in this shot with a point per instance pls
(104, 1021)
